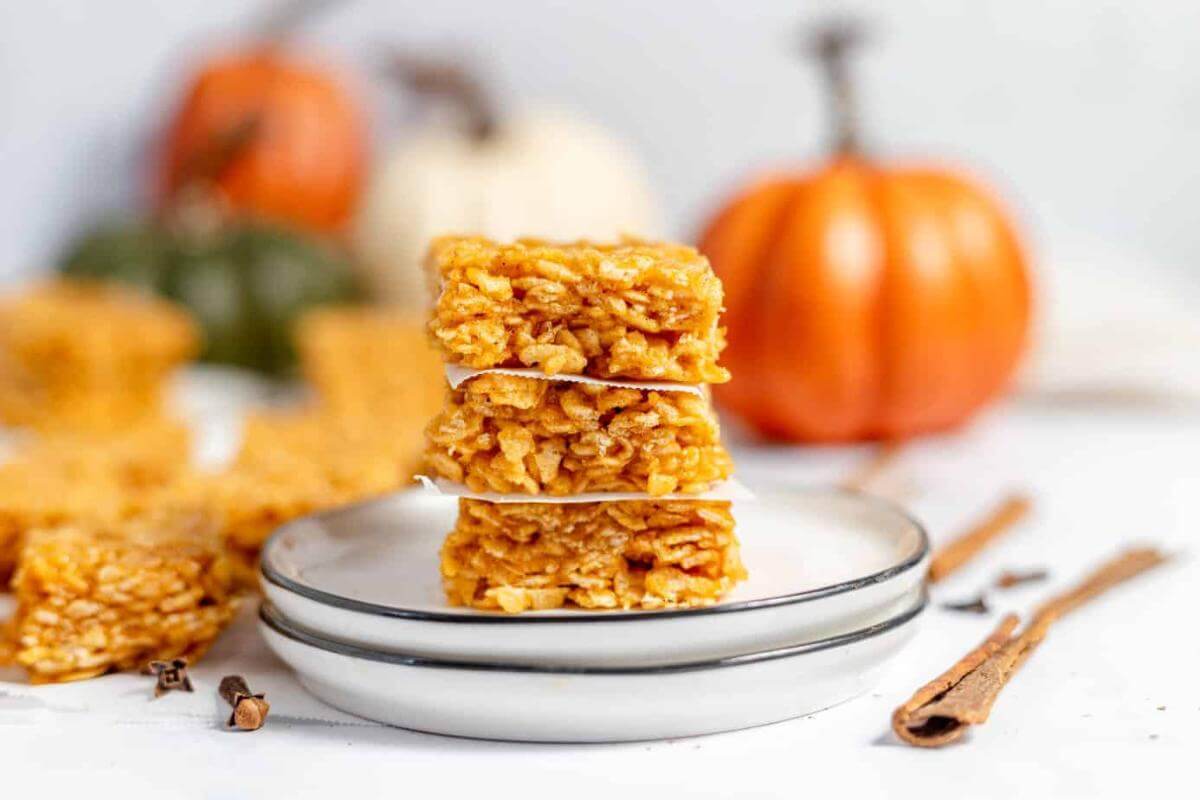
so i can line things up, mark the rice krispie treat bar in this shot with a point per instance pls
(251, 502)
(630, 310)
(293, 464)
(356, 457)
(370, 362)
(60, 478)
(504, 433)
(647, 554)
(88, 356)
(92, 598)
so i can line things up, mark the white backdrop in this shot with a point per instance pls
(1086, 114)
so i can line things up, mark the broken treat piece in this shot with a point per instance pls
(292, 464)
(250, 501)
(63, 477)
(368, 362)
(503, 433)
(92, 598)
(634, 554)
(630, 310)
(88, 356)
(355, 457)
(146, 455)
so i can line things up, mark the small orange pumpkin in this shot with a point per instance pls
(275, 138)
(865, 301)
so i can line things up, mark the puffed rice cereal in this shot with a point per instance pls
(59, 478)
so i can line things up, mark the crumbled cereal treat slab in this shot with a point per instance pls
(252, 502)
(355, 457)
(630, 310)
(93, 598)
(637, 554)
(86, 356)
(58, 478)
(369, 363)
(295, 463)
(509, 434)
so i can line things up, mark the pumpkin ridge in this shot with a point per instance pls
(986, 319)
(842, 370)
(869, 427)
(772, 396)
(779, 193)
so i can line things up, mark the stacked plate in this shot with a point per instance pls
(353, 604)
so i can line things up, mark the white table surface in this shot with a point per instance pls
(1109, 706)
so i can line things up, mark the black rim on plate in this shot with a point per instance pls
(274, 576)
(271, 617)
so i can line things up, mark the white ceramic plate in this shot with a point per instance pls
(562, 704)
(820, 563)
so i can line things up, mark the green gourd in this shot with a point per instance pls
(246, 283)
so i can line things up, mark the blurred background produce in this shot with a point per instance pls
(255, 161)
(487, 170)
(245, 281)
(269, 130)
(865, 300)
(259, 165)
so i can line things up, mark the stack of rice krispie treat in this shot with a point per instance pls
(616, 343)
(84, 356)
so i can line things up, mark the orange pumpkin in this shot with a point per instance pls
(275, 138)
(866, 301)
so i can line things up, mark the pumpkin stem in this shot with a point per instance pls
(283, 18)
(450, 81)
(831, 43)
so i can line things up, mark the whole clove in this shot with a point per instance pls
(249, 709)
(171, 675)
(977, 605)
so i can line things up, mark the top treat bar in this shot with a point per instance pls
(631, 310)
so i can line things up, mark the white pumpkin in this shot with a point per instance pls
(543, 174)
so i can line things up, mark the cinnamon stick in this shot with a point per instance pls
(926, 730)
(941, 711)
(964, 547)
(867, 473)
